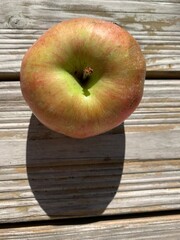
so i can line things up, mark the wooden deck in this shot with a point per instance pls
(124, 184)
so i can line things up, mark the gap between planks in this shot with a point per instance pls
(15, 76)
(136, 228)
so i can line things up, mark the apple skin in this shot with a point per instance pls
(56, 93)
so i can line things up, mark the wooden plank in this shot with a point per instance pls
(155, 25)
(163, 227)
(133, 168)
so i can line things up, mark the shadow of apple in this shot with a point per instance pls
(72, 177)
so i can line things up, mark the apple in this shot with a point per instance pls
(83, 77)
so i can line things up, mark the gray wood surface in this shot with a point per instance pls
(136, 229)
(133, 168)
(155, 25)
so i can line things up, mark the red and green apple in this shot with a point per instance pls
(83, 77)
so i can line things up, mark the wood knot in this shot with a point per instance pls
(18, 21)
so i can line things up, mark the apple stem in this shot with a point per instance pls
(87, 72)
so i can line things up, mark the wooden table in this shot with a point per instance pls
(124, 184)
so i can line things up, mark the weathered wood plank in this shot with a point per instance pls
(133, 168)
(163, 227)
(155, 25)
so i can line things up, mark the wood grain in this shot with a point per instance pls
(133, 168)
(155, 25)
(163, 227)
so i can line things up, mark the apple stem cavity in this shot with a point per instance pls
(83, 79)
(87, 72)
